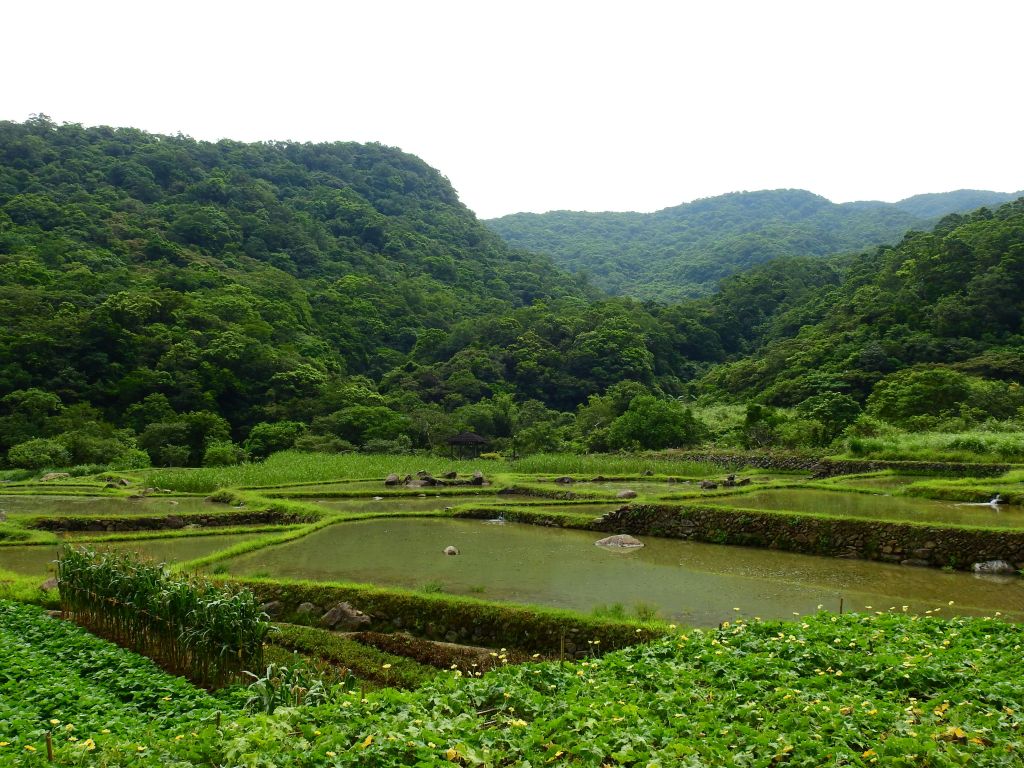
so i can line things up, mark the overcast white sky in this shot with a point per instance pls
(534, 106)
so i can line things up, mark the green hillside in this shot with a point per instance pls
(937, 204)
(685, 250)
(951, 297)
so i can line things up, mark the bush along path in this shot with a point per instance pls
(887, 689)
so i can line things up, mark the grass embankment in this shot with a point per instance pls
(363, 661)
(971, 489)
(530, 628)
(854, 690)
(974, 447)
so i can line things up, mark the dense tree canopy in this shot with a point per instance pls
(685, 250)
(185, 302)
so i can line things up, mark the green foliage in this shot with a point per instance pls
(650, 423)
(208, 633)
(38, 454)
(222, 453)
(684, 251)
(822, 689)
(265, 439)
(363, 661)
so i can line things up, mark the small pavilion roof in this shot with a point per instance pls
(466, 438)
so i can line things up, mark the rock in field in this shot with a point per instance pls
(344, 616)
(273, 609)
(625, 493)
(392, 479)
(450, 550)
(54, 476)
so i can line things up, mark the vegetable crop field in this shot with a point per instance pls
(868, 689)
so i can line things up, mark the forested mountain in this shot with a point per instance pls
(938, 204)
(686, 250)
(951, 297)
(143, 276)
(179, 302)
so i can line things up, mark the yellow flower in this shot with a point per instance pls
(29, 748)
(367, 742)
(105, 730)
(140, 748)
(385, 666)
(452, 754)
(332, 754)
(4, 743)
(55, 722)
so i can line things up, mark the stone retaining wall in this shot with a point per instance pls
(909, 544)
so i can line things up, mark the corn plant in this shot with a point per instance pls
(207, 633)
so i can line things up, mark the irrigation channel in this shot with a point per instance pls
(699, 584)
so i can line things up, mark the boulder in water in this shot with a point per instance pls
(392, 479)
(620, 541)
(450, 550)
(625, 493)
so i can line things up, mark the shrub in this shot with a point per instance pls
(38, 454)
(222, 454)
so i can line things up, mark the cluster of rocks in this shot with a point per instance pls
(424, 479)
(342, 617)
(729, 482)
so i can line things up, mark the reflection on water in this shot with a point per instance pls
(878, 507)
(38, 560)
(697, 583)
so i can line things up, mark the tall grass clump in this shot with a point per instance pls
(207, 633)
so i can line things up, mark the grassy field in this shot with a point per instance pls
(293, 467)
(973, 446)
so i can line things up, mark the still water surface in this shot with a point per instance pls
(692, 582)
(104, 505)
(38, 559)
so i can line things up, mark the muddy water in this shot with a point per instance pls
(878, 507)
(692, 582)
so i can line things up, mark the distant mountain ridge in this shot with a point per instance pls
(685, 250)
